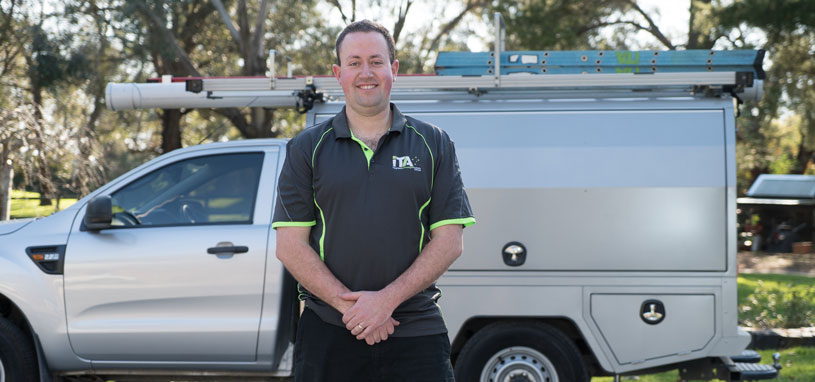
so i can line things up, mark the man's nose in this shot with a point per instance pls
(366, 70)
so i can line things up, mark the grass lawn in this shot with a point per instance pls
(31, 208)
(749, 282)
(776, 300)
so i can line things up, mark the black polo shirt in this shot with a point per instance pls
(372, 211)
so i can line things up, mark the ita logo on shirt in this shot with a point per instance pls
(406, 163)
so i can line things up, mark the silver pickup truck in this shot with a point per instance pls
(605, 245)
(170, 267)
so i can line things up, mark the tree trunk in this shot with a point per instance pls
(6, 176)
(261, 126)
(170, 130)
(803, 157)
(698, 39)
(44, 172)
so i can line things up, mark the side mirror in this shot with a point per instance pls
(99, 213)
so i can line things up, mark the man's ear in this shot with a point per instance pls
(336, 68)
(395, 68)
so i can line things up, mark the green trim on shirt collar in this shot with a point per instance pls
(365, 149)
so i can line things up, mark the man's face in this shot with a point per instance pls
(366, 73)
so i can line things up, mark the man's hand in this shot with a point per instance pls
(370, 317)
(307, 268)
(377, 334)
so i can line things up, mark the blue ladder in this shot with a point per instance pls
(598, 61)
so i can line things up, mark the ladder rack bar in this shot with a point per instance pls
(499, 47)
(292, 92)
(626, 80)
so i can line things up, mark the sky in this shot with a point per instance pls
(670, 15)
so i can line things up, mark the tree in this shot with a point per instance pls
(574, 25)
(416, 49)
(788, 26)
(10, 53)
(197, 38)
(555, 24)
(171, 32)
(16, 126)
(258, 27)
(45, 69)
(38, 67)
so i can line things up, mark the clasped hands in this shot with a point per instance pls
(369, 318)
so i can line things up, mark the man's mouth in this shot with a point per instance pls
(366, 87)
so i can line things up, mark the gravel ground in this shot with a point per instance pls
(789, 263)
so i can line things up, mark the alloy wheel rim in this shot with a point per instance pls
(519, 364)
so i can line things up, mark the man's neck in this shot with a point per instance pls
(374, 125)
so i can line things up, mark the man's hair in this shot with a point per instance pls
(366, 26)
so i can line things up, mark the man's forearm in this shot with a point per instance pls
(307, 268)
(373, 308)
(442, 250)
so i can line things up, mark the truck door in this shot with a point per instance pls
(156, 286)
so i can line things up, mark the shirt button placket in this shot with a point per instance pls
(370, 162)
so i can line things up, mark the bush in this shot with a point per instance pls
(779, 306)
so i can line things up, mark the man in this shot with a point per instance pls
(370, 212)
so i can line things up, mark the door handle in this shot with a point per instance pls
(226, 248)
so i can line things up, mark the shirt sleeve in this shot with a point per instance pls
(448, 203)
(294, 205)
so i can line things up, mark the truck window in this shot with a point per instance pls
(216, 189)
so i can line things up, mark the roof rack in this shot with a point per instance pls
(467, 75)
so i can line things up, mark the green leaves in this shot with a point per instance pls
(779, 305)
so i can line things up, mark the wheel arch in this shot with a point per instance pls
(11, 312)
(563, 324)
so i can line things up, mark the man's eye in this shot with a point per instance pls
(353, 63)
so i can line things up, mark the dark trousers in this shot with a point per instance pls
(329, 353)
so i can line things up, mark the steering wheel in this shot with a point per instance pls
(127, 218)
(192, 211)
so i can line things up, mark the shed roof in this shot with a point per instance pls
(783, 186)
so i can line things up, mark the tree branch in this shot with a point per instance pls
(257, 34)
(336, 3)
(450, 25)
(192, 23)
(652, 27)
(228, 22)
(636, 25)
(243, 24)
(693, 35)
(236, 117)
(186, 62)
(400, 22)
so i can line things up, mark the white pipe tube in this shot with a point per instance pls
(129, 96)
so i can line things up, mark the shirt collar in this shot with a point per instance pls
(341, 129)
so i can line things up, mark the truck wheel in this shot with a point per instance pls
(520, 352)
(18, 362)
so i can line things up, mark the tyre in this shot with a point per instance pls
(18, 361)
(520, 352)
